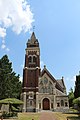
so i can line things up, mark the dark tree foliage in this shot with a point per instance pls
(71, 97)
(10, 86)
(77, 87)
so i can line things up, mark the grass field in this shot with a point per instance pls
(61, 116)
(58, 115)
(28, 116)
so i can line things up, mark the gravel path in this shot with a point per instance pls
(47, 116)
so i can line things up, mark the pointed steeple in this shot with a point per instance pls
(33, 38)
(33, 42)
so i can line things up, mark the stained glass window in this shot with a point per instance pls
(45, 80)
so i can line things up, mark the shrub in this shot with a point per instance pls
(11, 114)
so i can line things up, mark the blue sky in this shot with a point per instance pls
(57, 27)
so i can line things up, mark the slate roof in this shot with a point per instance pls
(61, 82)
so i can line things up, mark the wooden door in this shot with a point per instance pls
(46, 104)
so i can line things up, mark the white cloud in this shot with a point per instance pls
(2, 32)
(7, 49)
(16, 15)
(3, 46)
(3, 41)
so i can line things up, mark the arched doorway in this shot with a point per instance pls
(46, 104)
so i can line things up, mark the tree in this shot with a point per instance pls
(10, 86)
(77, 103)
(71, 97)
(77, 87)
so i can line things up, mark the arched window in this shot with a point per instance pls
(31, 102)
(45, 80)
(34, 59)
(58, 104)
(30, 59)
(66, 104)
(62, 103)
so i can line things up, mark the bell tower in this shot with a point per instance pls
(31, 73)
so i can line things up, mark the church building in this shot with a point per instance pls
(41, 91)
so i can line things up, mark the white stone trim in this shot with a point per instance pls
(31, 68)
(24, 102)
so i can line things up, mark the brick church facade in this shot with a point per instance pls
(41, 91)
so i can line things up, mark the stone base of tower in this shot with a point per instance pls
(29, 101)
(24, 102)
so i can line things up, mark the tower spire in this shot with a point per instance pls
(33, 42)
(33, 38)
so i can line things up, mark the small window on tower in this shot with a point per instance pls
(34, 59)
(30, 59)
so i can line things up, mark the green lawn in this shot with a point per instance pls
(61, 116)
(58, 115)
(28, 116)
